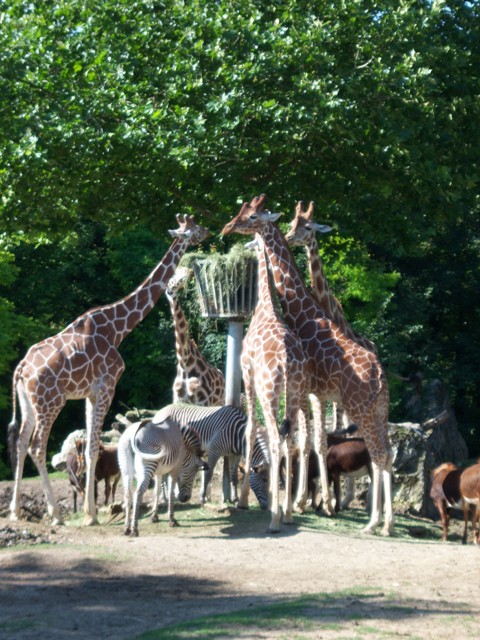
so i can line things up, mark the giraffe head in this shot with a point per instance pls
(303, 227)
(179, 279)
(189, 230)
(251, 218)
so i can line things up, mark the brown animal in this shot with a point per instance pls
(106, 469)
(345, 457)
(75, 467)
(454, 488)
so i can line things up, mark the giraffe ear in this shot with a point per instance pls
(321, 228)
(268, 216)
(252, 245)
(180, 233)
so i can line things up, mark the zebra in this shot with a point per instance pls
(146, 449)
(222, 434)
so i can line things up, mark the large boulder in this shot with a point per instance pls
(420, 447)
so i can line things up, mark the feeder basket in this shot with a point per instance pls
(227, 288)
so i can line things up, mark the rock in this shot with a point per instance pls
(419, 447)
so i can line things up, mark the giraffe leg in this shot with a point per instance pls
(20, 445)
(96, 409)
(320, 446)
(274, 488)
(387, 496)
(376, 499)
(38, 453)
(20, 453)
(249, 438)
(304, 447)
(39, 457)
(287, 503)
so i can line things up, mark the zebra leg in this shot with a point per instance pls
(138, 498)
(207, 474)
(172, 480)
(234, 462)
(226, 484)
(156, 497)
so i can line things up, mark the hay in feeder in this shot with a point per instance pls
(226, 283)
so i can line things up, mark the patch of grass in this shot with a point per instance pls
(19, 624)
(304, 617)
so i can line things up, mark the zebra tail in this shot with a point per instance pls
(143, 454)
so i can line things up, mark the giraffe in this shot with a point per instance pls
(342, 370)
(273, 363)
(197, 381)
(83, 362)
(302, 232)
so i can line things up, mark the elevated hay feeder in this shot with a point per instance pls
(226, 286)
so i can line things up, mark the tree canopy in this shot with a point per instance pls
(117, 115)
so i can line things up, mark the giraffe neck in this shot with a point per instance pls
(320, 287)
(297, 303)
(115, 321)
(265, 306)
(182, 333)
(327, 301)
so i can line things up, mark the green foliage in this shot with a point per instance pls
(118, 115)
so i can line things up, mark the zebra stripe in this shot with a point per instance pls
(146, 449)
(222, 434)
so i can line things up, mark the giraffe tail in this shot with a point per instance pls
(12, 433)
(285, 428)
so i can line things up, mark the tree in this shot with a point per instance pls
(125, 112)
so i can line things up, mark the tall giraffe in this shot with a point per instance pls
(302, 232)
(273, 364)
(83, 362)
(342, 370)
(197, 381)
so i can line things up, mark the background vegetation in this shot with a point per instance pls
(117, 115)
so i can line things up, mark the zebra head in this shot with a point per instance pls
(191, 463)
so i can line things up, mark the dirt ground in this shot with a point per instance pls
(95, 582)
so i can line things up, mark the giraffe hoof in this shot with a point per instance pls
(90, 521)
(368, 530)
(299, 507)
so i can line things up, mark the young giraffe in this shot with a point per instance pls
(343, 371)
(83, 362)
(197, 381)
(273, 364)
(302, 232)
